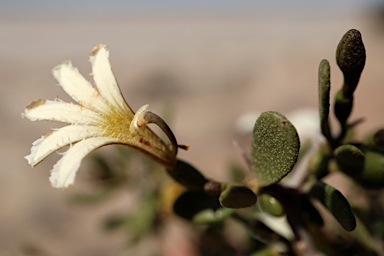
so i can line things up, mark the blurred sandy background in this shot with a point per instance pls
(203, 66)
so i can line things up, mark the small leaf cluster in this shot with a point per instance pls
(273, 192)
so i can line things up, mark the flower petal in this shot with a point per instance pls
(104, 78)
(64, 172)
(60, 112)
(62, 137)
(76, 86)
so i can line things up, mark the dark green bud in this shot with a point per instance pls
(237, 197)
(270, 205)
(350, 56)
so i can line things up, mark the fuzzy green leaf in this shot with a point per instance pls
(270, 205)
(336, 203)
(237, 197)
(366, 168)
(191, 202)
(350, 57)
(187, 175)
(349, 158)
(372, 175)
(323, 90)
(275, 148)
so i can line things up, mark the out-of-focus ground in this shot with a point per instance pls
(203, 71)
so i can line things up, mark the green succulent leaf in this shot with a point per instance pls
(270, 205)
(366, 168)
(237, 197)
(372, 175)
(275, 148)
(350, 159)
(191, 202)
(335, 202)
(187, 175)
(350, 57)
(324, 89)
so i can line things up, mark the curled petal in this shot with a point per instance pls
(60, 112)
(76, 86)
(104, 78)
(54, 141)
(64, 172)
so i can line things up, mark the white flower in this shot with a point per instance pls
(100, 117)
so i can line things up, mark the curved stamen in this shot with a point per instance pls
(148, 117)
